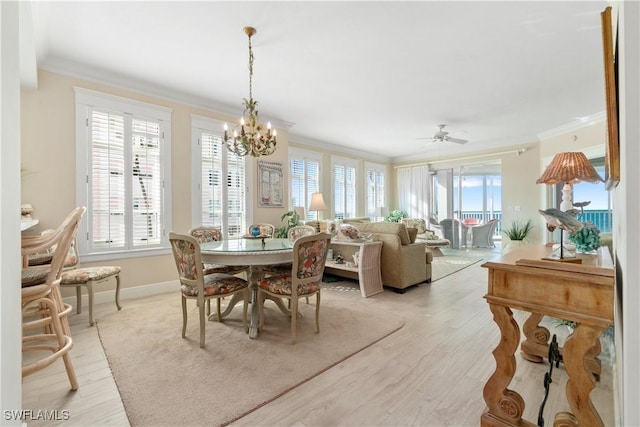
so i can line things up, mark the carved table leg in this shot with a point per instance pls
(505, 407)
(536, 347)
(255, 275)
(578, 349)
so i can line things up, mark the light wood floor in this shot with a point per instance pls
(429, 373)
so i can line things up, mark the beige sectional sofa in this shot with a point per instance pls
(402, 263)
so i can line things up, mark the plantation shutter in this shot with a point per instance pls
(236, 199)
(223, 187)
(305, 180)
(375, 189)
(107, 197)
(126, 191)
(147, 183)
(344, 191)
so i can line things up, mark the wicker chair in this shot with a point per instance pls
(45, 324)
(304, 279)
(454, 231)
(195, 285)
(482, 235)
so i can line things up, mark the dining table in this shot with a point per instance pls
(255, 252)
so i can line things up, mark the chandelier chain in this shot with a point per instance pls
(250, 70)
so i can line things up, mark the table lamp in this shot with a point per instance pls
(317, 204)
(569, 168)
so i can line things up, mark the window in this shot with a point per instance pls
(220, 193)
(598, 211)
(304, 178)
(375, 177)
(122, 157)
(344, 187)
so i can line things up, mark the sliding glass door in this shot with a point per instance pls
(469, 192)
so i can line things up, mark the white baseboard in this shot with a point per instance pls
(126, 293)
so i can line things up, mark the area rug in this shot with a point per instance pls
(166, 380)
(447, 265)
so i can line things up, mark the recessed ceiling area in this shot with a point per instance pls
(370, 76)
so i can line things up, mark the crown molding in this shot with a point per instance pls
(335, 148)
(573, 126)
(141, 87)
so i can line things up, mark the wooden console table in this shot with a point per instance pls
(582, 293)
(368, 270)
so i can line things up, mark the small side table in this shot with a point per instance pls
(435, 244)
(368, 269)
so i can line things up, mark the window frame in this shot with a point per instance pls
(306, 156)
(345, 162)
(377, 168)
(85, 101)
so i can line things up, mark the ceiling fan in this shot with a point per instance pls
(443, 136)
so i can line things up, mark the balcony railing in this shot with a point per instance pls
(602, 218)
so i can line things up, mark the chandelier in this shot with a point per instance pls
(251, 137)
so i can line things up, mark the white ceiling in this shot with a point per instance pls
(371, 76)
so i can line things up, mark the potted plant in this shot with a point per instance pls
(292, 218)
(518, 233)
(396, 215)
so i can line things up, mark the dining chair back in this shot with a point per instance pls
(294, 233)
(194, 284)
(204, 234)
(304, 279)
(261, 230)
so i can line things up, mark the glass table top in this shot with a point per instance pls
(247, 245)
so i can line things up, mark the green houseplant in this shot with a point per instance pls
(396, 215)
(292, 219)
(519, 230)
(518, 233)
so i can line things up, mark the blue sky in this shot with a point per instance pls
(584, 191)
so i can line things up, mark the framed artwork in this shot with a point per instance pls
(612, 152)
(270, 184)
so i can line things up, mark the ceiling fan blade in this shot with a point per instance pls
(457, 140)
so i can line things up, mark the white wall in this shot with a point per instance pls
(10, 264)
(626, 208)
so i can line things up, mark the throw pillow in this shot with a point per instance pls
(413, 233)
(348, 232)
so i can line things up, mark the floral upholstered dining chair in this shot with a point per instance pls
(197, 286)
(293, 234)
(205, 234)
(304, 279)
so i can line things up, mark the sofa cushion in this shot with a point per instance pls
(396, 228)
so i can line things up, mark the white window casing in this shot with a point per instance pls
(123, 176)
